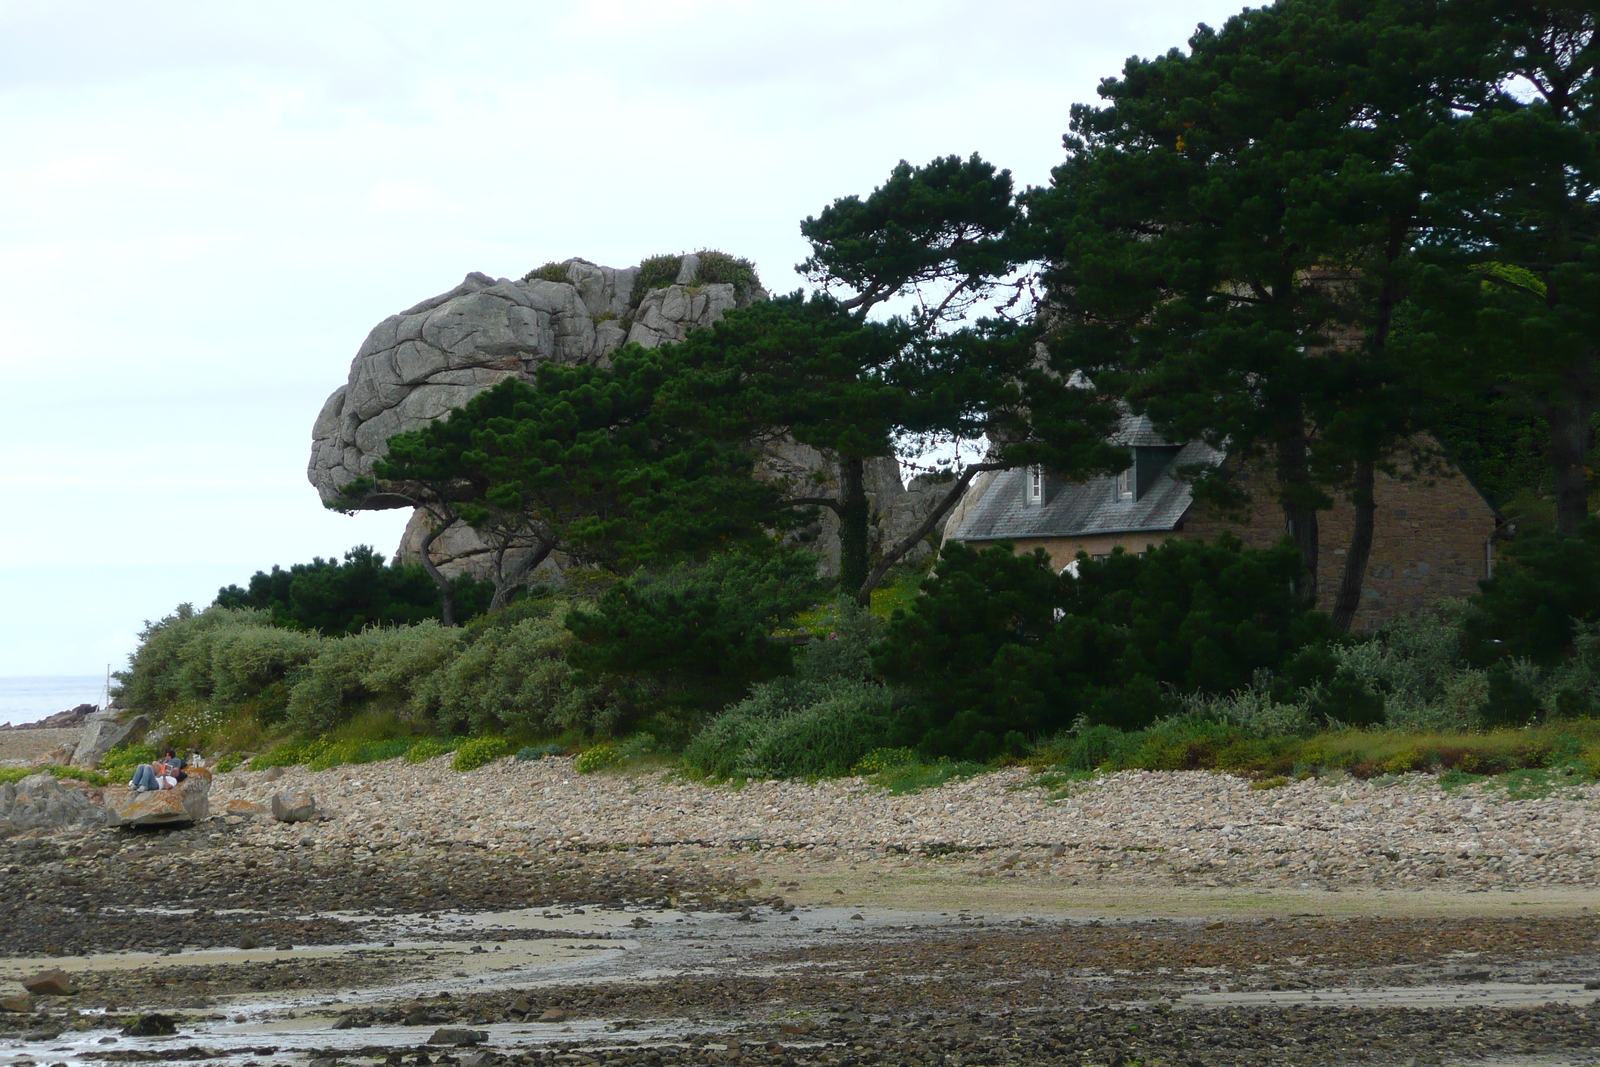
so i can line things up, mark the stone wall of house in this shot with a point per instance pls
(1428, 545)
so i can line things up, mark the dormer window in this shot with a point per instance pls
(1123, 489)
(1035, 485)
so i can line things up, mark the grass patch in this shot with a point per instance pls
(78, 774)
(904, 778)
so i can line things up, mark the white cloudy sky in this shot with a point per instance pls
(204, 207)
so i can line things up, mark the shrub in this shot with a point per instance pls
(1544, 588)
(229, 762)
(719, 268)
(883, 758)
(351, 672)
(597, 758)
(333, 598)
(999, 645)
(208, 664)
(512, 674)
(431, 748)
(533, 752)
(655, 272)
(550, 272)
(121, 761)
(698, 634)
(830, 692)
(480, 750)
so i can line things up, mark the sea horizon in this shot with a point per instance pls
(29, 698)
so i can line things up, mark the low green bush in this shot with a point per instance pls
(474, 753)
(597, 758)
(229, 762)
(550, 272)
(655, 272)
(431, 748)
(536, 752)
(120, 763)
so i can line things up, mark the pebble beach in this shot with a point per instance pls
(1136, 826)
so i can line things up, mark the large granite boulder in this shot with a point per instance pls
(102, 732)
(43, 802)
(431, 358)
(188, 803)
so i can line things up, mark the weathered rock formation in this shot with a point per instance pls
(43, 802)
(188, 803)
(427, 360)
(102, 732)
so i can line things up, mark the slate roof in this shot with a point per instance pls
(1079, 508)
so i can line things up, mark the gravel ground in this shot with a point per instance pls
(1135, 827)
(22, 747)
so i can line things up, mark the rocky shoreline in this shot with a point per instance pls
(1151, 918)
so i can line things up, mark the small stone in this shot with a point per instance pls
(1593, 983)
(17, 1004)
(324, 1061)
(52, 983)
(553, 1015)
(458, 1038)
(481, 1058)
(520, 1006)
(248, 941)
(272, 774)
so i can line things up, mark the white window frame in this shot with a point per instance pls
(1123, 488)
(1035, 485)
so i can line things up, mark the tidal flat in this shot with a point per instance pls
(479, 941)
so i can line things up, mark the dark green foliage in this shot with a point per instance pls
(817, 722)
(853, 389)
(952, 223)
(698, 634)
(334, 598)
(585, 460)
(1502, 451)
(999, 643)
(719, 268)
(1512, 701)
(655, 272)
(550, 272)
(1543, 587)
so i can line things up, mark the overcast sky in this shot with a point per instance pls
(204, 208)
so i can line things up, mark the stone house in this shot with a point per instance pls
(1433, 539)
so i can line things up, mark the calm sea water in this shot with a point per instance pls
(31, 699)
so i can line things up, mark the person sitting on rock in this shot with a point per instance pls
(164, 773)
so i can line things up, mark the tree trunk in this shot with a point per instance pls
(507, 583)
(1364, 497)
(910, 541)
(854, 515)
(1569, 449)
(1299, 515)
(447, 593)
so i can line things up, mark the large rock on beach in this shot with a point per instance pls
(435, 356)
(293, 807)
(188, 803)
(52, 983)
(102, 732)
(44, 802)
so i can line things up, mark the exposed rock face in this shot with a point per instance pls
(41, 802)
(431, 358)
(427, 360)
(103, 732)
(188, 803)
